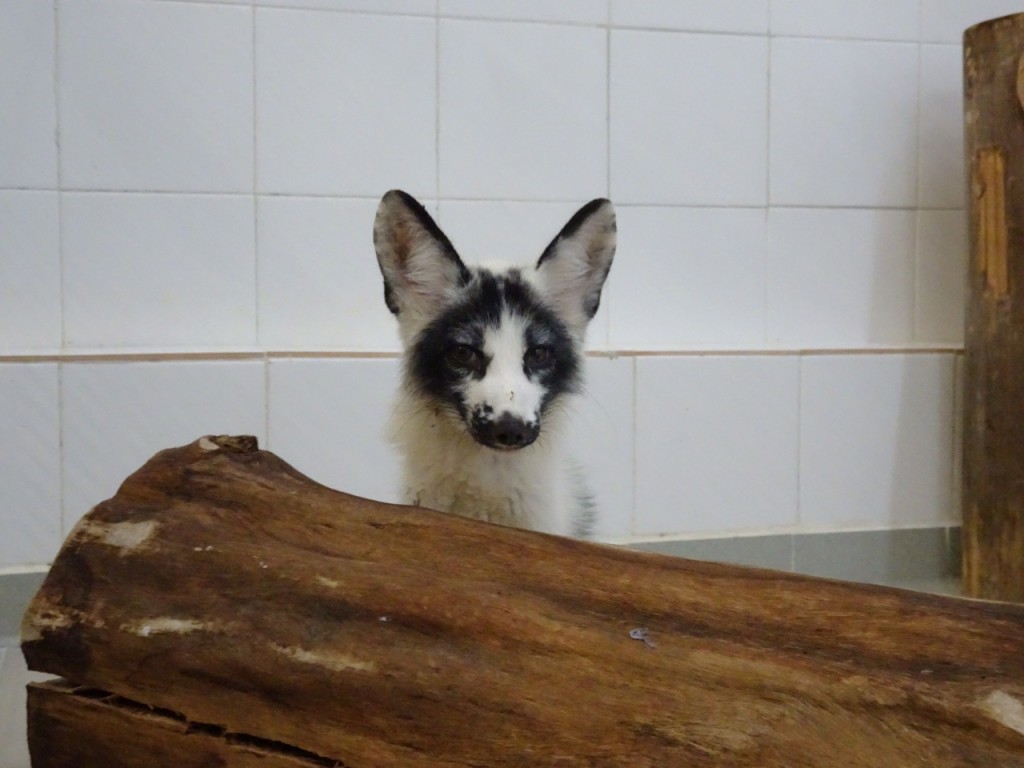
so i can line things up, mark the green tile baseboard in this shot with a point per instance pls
(16, 590)
(913, 558)
(918, 558)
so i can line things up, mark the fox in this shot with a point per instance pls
(491, 360)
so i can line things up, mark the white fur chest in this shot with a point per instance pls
(445, 469)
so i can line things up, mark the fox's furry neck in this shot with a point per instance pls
(445, 469)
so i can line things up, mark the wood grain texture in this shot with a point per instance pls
(221, 584)
(81, 730)
(993, 439)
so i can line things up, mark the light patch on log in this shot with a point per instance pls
(163, 626)
(46, 619)
(126, 535)
(989, 187)
(1005, 709)
(207, 444)
(1020, 81)
(328, 582)
(336, 662)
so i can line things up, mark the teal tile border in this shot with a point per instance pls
(917, 558)
(774, 552)
(926, 559)
(16, 590)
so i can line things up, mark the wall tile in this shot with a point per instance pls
(118, 414)
(30, 458)
(158, 271)
(716, 446)
(688, 277)
(867, 19)
(156, 96)
(319, 283)
(578, 11)
(942, 258)
(941, 182)
(944, 21)
(28, 146)
(345, 103)
(876, 440)
(601, 440)
(690, 140)
(840, 278)
(745, 16)
(29, 271)
(328, 419)
(503, 233)
(844, 123)
(523, 111)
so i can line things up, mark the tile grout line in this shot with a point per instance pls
(608, 101)
(766, 238)
(62, 281)
(915, 298)
(799, 457)
(482, 199)
(257, 308)
(438, 85)
(60, 175)
(61, 463)
(633, 457)
(266, 402)
(609, 313)
(108, 356)
(255, 187)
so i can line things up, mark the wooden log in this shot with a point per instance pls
(223, 586)
(993, 437)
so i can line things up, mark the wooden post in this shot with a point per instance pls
(993, 455)
(223, 609)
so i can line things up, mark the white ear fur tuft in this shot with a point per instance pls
(573, 268)
(421, 269)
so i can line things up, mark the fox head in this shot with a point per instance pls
(493, 349)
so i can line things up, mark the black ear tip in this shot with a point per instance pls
(599, 205)
(399, 197)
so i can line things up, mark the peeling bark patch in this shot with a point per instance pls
(46, 619)
(207, 444)
(337, 662)
(989, 184)
(125, 536)
(1005, 709)
(165, 625)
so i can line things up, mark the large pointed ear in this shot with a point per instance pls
(421, 269)
(573, 268)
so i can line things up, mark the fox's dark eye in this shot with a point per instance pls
(464, 356)
(539, 357)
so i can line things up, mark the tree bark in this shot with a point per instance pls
(244, 602)
(993, 455)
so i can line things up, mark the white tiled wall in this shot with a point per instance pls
(186, 199)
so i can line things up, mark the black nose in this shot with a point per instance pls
(509, 432)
